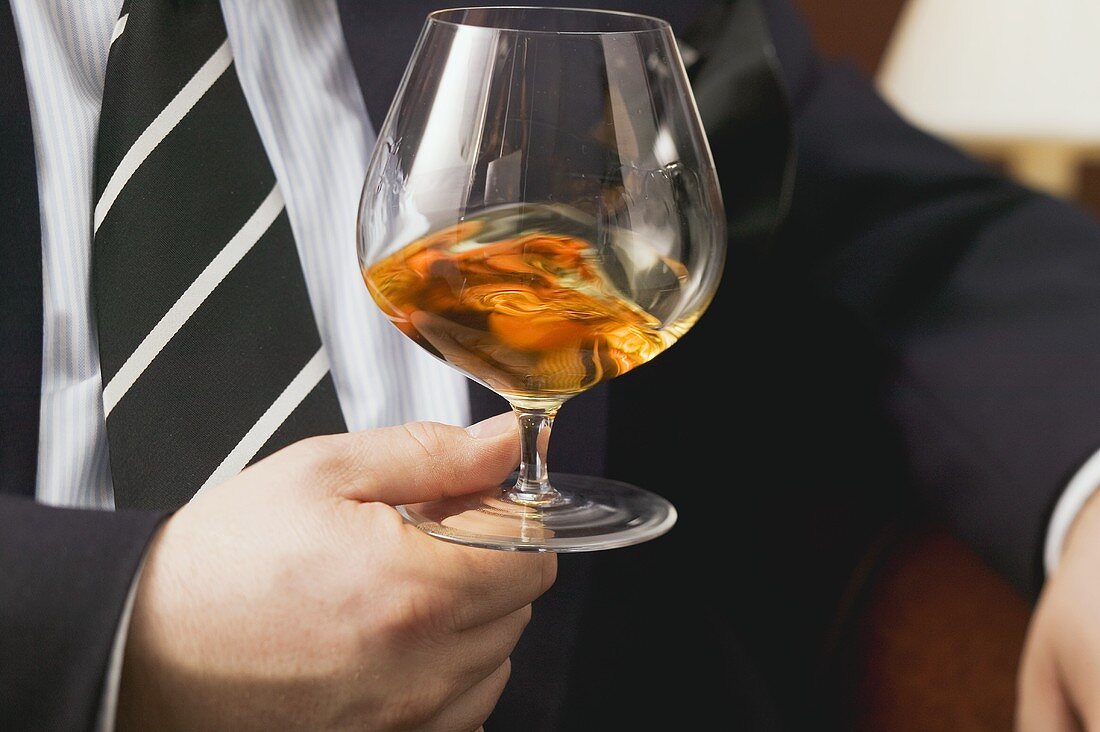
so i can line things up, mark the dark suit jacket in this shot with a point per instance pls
(899, 330)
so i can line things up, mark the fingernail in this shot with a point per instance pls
(492, 427)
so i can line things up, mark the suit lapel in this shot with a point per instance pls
(20, 274)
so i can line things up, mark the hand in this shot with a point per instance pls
(295, 597)
(1059, 677)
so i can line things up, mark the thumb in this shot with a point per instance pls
(424, 461)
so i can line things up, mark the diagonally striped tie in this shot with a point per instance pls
(210, 355)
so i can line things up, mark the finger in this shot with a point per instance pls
(486, 584)
(469, 710)
(418, 461)
(1042, 704)
(479, 651)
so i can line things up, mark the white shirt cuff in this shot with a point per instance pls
(108, 707)
(1077, 493)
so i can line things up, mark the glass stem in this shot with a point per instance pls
(533, 487)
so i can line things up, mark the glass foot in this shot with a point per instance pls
(593, 514)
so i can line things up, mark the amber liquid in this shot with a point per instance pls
(522, 302)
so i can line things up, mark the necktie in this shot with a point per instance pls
(210, 354)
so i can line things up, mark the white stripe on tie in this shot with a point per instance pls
(159, 128)
(297, 390)
(120, 26)
(192, 298)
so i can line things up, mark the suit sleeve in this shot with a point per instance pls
(64, 578)
(984, 295)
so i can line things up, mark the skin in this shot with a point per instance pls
(1059, 677)
(295, 597)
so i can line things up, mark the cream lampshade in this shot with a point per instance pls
(1015, 79)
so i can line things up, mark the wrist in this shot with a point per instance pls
(139, 703)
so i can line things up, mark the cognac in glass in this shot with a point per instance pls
(542, 213)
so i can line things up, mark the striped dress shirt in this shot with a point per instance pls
(295, 71)
(303, 93)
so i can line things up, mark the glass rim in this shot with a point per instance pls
(656, 25)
